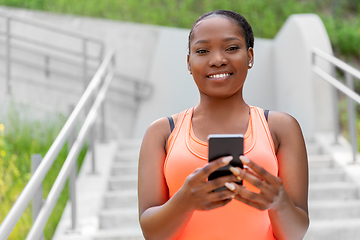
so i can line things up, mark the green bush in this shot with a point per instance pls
(339, 16)
(19, 139)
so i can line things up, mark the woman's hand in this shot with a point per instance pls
(199, 193)
(272, 194)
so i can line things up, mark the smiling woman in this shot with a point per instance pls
(218, 52)
(176, 198)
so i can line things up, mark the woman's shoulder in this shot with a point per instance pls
(282, 116)
(284, 127)
(282, 121)
(161, 128)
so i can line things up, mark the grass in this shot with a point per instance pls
(340, 17)
(18, 140)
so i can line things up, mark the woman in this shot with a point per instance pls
(176, 200)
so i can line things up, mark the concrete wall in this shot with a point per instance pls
(174, 88)
(133, 44)
(297, 90)
(281, 78)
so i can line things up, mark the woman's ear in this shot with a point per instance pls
(188, 64)
(250, 57)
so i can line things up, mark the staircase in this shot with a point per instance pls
(334, 202)
(334, 199)
(118, 218)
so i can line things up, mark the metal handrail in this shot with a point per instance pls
(102, 79)
(82, 54)
(337, 84)
(144, 92)
(77, 77)
(45, 53)
(344, 66)
(69, 164)
(348, 90)
(28, 193)
(51, 46)
(55, 29)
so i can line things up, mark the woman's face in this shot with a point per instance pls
(218, 58)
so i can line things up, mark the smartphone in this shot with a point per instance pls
(221, 145)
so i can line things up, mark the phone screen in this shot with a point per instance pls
(221, 145)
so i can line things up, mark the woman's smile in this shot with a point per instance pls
(219, 76)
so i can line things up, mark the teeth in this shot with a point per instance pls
(222, 75)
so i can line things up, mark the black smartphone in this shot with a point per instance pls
(221, 145)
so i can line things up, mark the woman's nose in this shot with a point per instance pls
(217, 60)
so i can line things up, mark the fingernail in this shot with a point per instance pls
(235, 171)
(244, 160)
(227, 159)
(230, 186)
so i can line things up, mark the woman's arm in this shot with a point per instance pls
(290, 220)
(284, 196)
(163, 218)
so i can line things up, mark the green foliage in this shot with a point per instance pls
(344, 119)
(19, 139)
(266, 17)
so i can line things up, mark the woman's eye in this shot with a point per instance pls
(233, 48)
(201, 51)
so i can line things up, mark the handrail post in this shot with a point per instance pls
(335, 100)
(101, 53)
(84, 58)
(103, 128)
(37, 202)
(335, 103)
(351, 116)
(8, 63)
(84, 52)
(72, 181)
(102, 111)
(92, 150)
(47, 64)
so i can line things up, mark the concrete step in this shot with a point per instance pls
(119, 183)
(124, 168)
(320, 161)
(313, 149)
(121, 199)
(130, 144)
(327, 175)
(119, 234)
(333, 191)
(344, 229)
(121, 218)
(127, 155)
(322, 210)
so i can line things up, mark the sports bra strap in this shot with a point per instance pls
(171, 121)
(266, 113)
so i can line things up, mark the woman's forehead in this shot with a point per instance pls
(216, 25)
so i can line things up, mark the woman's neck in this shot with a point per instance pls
(230, 115)
(217, 107)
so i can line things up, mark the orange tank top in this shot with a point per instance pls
(235, 220)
